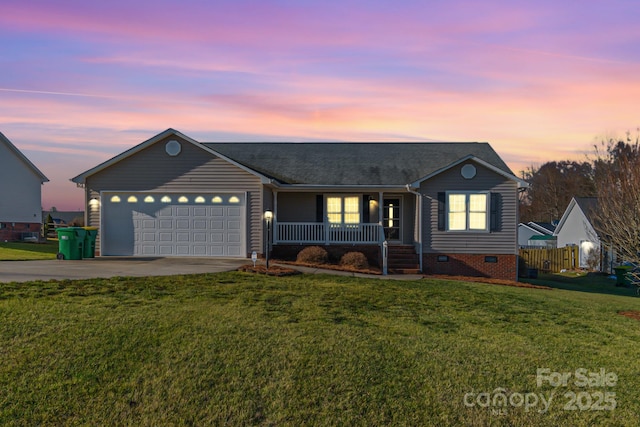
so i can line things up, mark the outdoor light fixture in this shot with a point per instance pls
(268, 216)
(94, 204)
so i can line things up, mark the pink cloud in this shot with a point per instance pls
(529, 80)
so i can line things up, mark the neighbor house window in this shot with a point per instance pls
(467, 211)
(343, 209)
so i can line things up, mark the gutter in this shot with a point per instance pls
(345, 187)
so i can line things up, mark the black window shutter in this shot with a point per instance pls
(366, 217)
(496, 207)
(441, 210)
(319, 208)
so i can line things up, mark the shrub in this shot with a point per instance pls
(355, 260)
(313, 255)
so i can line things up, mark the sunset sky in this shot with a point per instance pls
(82, 81)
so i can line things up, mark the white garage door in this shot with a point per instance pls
(173, 224)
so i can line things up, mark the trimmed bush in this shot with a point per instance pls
(355, 260)
(313, 255)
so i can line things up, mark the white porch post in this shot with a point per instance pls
(275, 216)
(419, 227)
(325, 220)
(418, 224)
(381, 213)
(384, 246)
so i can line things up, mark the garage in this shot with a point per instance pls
(173, 224)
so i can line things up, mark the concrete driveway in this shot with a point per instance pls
(25, 271)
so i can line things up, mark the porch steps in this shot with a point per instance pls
(403, 259)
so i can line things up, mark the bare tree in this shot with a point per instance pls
(552, 186)
(617, 180)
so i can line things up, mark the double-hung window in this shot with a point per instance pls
(467, 211)
(343, 209)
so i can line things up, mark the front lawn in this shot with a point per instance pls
(19, 251)
(244, 349)
(583, 282)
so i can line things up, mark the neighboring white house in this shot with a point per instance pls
(575, 228)
(536, 234)
(20, 194)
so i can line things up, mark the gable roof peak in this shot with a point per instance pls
(21, 156)
(80, 179)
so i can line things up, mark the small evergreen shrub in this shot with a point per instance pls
(313, 255)
(355, 260)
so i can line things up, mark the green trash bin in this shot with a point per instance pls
(90, 242)
(70, 243)
(621, 275)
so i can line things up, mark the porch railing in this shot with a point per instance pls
(314, 232)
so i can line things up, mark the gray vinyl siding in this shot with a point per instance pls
(267, 199)
(297, 207)
(408, 218)
(193, 170)
(20, 189)
(503, 241)
(92, 213)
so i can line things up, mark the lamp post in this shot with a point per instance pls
(268, 216)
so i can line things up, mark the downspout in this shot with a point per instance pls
(419, 201)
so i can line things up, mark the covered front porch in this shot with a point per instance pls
(343, 218)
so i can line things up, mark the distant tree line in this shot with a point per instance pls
(611, 173)
(552, 186)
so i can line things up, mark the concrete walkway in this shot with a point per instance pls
(27, 271)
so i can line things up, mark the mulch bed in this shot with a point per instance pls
(630, 314)
(335, 267)
(488, 280)
(277, 270)
(274, 270)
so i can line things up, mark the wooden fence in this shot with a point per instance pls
(551, 260)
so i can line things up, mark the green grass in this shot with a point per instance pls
(240, 349)
(18, 251)
(583, 282)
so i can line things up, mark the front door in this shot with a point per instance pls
(391, 214)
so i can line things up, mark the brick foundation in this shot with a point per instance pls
(504, 267)
(15, 232)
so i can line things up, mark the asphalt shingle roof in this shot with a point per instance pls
(589, 205)
(359, 163)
